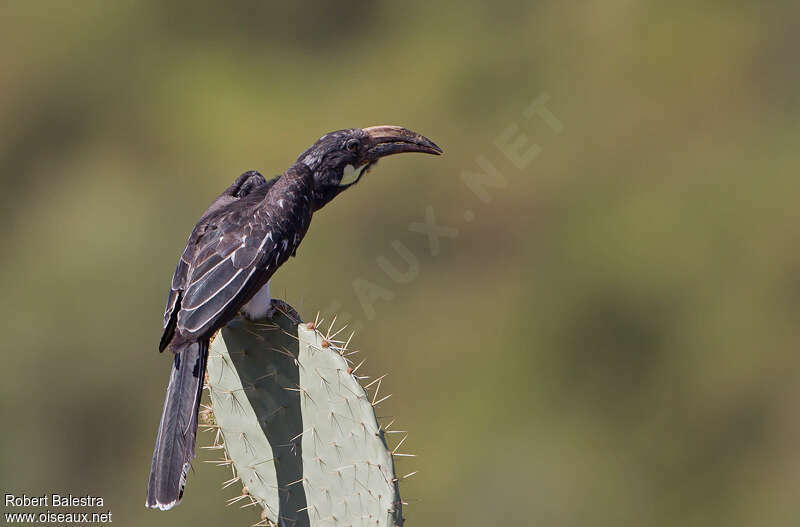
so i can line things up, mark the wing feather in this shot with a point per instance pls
(225, 268)
(232, 253)
(243, 186)
(207, 286)
(193, 320)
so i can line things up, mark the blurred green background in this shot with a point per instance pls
(612, 340)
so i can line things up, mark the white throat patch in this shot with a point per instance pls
(351, 174)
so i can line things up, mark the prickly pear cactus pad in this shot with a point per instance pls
(297, 428)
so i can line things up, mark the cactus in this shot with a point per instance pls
(296, 426)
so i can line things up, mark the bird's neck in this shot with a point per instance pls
(297, 179)
(292, 195)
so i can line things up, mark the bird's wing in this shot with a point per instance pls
(243, 186)
(236, 253)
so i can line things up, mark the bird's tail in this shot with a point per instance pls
(175, 442)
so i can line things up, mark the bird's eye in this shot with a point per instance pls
(352, 145)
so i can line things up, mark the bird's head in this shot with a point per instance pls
(339, 159)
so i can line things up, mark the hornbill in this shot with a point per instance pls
(240, 241)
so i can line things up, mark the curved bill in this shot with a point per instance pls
(388, 140)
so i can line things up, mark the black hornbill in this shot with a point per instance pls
(240, 241)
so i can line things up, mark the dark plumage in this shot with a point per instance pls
(239, 242)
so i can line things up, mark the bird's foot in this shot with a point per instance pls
(279, 307)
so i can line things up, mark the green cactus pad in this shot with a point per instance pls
(297, 427)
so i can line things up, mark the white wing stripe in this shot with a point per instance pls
(268, 236)
(223, 286)
(229, 257)
(192, 330)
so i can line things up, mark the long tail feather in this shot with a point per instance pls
(175, 442)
